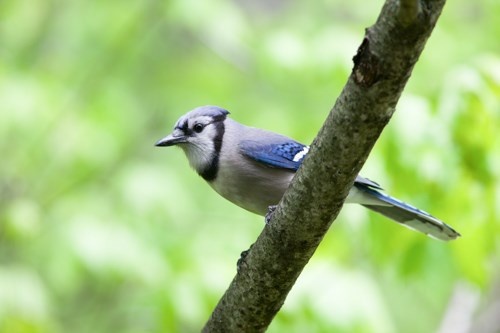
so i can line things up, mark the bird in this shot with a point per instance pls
(253, 167)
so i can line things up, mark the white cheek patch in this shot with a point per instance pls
(200, 147)
(199, 156)
(300, 155)
(208, 134)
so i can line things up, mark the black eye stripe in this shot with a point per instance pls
(184, 126)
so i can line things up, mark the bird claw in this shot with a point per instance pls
(270, 213)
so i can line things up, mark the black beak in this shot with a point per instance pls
(171, 140)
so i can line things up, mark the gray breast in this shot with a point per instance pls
(250, 187)
(243, 181)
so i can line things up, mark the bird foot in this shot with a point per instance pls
(270, 213)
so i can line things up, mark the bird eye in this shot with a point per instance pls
(198, 128)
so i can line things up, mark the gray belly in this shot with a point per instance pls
(254, 187)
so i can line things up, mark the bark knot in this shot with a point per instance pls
(366, 65)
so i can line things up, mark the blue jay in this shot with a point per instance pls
(252, 168)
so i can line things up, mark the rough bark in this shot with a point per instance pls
(382, 66)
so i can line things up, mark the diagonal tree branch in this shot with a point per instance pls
(382, 66)
(408, 11)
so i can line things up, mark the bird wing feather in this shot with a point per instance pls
(287, 155)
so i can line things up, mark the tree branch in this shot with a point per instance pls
(408, 11)
(382, 66)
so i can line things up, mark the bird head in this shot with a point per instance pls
(199, 133)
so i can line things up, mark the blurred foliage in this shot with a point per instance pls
(102, 232)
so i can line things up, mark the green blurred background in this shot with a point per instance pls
(102, 232)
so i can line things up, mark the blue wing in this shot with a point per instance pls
(288, 155)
